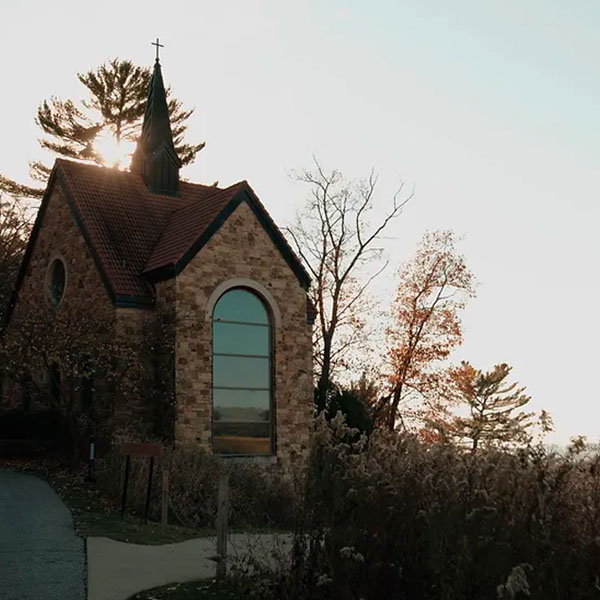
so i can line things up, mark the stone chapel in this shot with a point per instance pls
(143, 244)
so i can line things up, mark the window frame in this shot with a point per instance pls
(48, 283)
(271, 358)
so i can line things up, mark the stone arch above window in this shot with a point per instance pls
(242, 383)
(250, 284)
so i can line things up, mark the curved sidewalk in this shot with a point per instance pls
(117, 570)
(41, 558)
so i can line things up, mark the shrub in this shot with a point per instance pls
(391, 517)
(40, 425)
(259, 496)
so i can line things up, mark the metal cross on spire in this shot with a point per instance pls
(158, 46)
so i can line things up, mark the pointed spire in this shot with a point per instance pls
(155, 157)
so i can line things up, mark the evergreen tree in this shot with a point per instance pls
(115, 107)
(494, 405)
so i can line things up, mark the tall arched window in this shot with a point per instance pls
(242, 407)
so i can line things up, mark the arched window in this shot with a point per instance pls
(242, 406)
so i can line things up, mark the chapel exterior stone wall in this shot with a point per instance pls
(241, 248)
(174, 339)
(60, 237)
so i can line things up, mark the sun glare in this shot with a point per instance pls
(113, 153)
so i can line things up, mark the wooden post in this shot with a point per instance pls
(124, 501)
(221, 524)
(164, 513)
(128, 450)
(149, 492)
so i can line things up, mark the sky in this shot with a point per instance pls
(488, 108)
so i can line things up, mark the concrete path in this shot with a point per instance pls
(41, 558)
(117, 570)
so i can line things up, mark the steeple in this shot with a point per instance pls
(155, 157)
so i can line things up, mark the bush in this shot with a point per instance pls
(41, 425)
(391, 517)
(259, 496)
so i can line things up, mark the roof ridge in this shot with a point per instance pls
(218, 191)
(129, 173)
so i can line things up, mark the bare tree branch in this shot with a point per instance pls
(335, 241)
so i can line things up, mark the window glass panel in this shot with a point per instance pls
(240, 405)
(233, 338)
(241, 438)
(240, 372)
(241, 375)
(57, 283)
(241, 306)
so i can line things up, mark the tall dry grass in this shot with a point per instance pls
(393, 518)
(259, 496)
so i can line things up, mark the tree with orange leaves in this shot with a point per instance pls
(432, 290)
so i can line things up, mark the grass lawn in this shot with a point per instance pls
(95, 515)
(194, 590)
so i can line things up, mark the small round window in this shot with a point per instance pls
(56, 281)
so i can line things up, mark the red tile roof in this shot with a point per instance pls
(137, 236)
(123, 220)
(185, 226)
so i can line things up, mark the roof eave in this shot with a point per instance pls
(122, 301)
(245, 194)
(160, 273)
(30, 245)
(277, 237)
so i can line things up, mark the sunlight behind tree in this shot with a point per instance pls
(114, 153)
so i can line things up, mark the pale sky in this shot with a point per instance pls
(488, 107)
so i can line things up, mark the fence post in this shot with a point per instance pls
(125, 484)
(149, 492)
(221, 524)
(164, 515)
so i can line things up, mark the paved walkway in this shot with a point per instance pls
(117, 570)
(41, 558)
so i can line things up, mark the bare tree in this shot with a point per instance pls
(15, 225)
(337, 244)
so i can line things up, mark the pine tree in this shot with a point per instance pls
(494, 405)
(115, 107)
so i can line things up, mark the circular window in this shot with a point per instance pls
(57, 278)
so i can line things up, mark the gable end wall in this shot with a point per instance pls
(60, 234)
(242, 249)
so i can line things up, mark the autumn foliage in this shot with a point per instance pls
(432, 290)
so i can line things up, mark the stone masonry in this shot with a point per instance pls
(179, 359)
(242, 249)
(85, 293)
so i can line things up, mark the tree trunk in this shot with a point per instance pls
(324, 379)
(391, 416)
